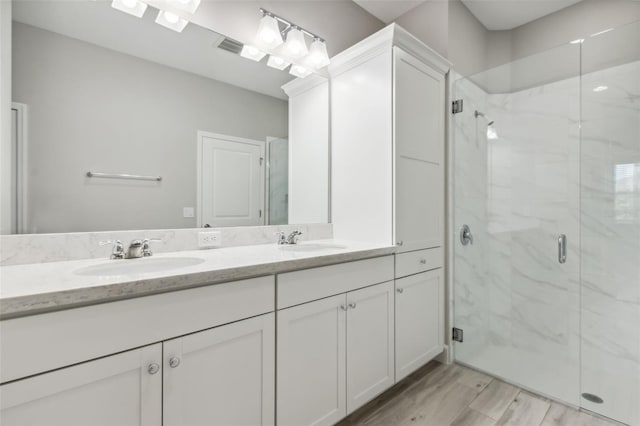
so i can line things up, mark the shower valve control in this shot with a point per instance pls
(465, 235)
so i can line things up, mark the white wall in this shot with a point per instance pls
(91, 109)
(5, 118)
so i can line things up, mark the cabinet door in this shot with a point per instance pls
(222, 376)
(419, 320)
(370, 344)
(419, 112)
(311, 363)
(115, 390)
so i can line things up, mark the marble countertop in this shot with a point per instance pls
(43, 287)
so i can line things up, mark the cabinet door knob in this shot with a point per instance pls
(352, 305)
(400, 290)
(423, 261)
(174, 361)
(344, 308)
(153, 368)
(400, 243)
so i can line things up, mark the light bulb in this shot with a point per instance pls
(132, 7)
(295, 46)
(268, 35)
(317, 57)
(171, 18)
(300, 71)
(252, 52)
(188, 6)
(277, 62)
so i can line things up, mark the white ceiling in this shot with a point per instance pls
(494, 14)
(509, 14)
(194, 50)
(388, 10)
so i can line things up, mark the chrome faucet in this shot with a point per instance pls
(137, 248)
(118, 248)
(291, 239)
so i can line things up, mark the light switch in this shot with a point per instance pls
(188, 212)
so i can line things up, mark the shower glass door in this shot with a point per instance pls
(516, 185)
(550, 164)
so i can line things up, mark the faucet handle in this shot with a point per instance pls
(146, 251)
(282, 239)
(118, 248)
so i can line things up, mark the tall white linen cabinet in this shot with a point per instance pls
(388, 141)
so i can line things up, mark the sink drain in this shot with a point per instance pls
(592, 398)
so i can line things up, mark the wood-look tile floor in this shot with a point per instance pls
(443, 395)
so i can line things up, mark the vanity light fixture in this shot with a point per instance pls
(295, 47)
(270, 39)
(132, 7)
(277, 62)
(318, 56)
(171, 20)
(300, 71)
(252, 52)
(268, 35)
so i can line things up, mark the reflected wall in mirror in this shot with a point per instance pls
(97, 90)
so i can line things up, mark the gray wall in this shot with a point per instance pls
(452, 30)
(6, 169)
(95, 109)
(577, 21)
(430, 23)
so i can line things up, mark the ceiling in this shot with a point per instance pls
(388, 10)
(509, 14)
(493, 14)
(194, 50)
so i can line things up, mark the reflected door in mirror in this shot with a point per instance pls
(231, 181)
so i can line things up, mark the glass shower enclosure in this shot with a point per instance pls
(546, 175)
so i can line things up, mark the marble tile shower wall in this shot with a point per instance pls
(40, 248)
(611, 240)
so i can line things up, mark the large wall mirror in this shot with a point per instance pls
(120, 123)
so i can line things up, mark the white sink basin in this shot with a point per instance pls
(311, 247)
(138, 266)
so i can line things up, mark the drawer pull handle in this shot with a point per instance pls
(174, 362)
(400, 290)
(423, 261)
(153, 368)
(352, 305)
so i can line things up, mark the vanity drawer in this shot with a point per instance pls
(39, 343)
(304, 286)
(413, 262)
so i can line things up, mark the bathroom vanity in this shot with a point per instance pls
(198, 345)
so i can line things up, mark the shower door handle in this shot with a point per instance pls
(562, 248)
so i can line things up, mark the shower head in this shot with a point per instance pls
(481, 114)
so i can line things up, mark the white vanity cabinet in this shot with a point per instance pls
(336, 353)
(388, 137)
(419, 309)
(122, 389)
(222, 376)
(211, 360)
